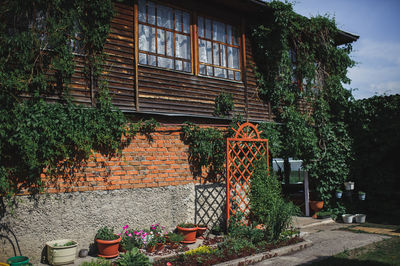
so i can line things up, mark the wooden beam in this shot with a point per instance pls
(244, 67)
(136, 56)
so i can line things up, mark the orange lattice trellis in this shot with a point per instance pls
(241, 151)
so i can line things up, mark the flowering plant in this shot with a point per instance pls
(159, 233)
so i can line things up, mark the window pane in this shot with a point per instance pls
(208, 29)
(219, 72)
(188, 66)
(151, 9)
(186, 22)
(216, 53)
(142, 58)
(229, 34)
(178, 65)
(178, 20)
(219, 31)
(142, 11)
(223, 55)
(170, 43)
(147, 38)
(165, 62)
(202, 51)
(160, 42)
(152, 60)
(209, 71)
(233, 57)
(202, 69)
(209, 52)
(182, 46)
(237, 75)
(164, 17)
(231, 74)
(200, 26)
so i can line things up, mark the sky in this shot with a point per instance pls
(377, 51)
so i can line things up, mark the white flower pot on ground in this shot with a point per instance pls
(347, 218)
(349, 185)
(360, 218)
(61, 252)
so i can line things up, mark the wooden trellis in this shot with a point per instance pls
(241, 152)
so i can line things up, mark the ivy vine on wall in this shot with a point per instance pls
(40, 127)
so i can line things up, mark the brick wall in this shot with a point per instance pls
(161, 161)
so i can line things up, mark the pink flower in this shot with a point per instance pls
(126, 232)
(130, 234)
(119, 234)
(169, 263)
(125, 227)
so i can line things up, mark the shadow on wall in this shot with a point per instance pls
(9, 240)
(210, 205)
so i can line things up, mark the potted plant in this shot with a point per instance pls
(201, 228)
(360, 218)
(107, 242)
(339, 193)
(361, 195)
(188, 230)
(349, 185)
(316, 204)
(61, 252)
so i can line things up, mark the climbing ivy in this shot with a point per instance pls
(41, 130)
(300, 71)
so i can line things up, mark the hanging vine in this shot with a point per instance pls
(40, 127)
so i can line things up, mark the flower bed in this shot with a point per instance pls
(205, 255)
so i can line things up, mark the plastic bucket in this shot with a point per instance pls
(18, 260)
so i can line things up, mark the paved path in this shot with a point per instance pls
(327, 241)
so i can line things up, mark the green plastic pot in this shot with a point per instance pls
(18, 260)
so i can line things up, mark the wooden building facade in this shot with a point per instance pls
(175, 57)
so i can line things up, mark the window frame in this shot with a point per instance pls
(194, 43)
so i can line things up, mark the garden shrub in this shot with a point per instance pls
(267, 205)
(133, 258)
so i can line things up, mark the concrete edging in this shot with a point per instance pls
(268, 254)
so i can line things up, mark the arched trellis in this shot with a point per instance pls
(241, 152)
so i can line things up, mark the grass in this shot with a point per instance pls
(386, 252)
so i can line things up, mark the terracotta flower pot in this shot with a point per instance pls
(316, 206)
(159, 246)
(108, 248)
(200, 231)
(189, 234)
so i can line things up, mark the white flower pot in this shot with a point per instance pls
(349, 185)
(58, 254)
(348, 218)
(360, 218)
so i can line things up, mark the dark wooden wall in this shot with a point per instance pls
(165, 91)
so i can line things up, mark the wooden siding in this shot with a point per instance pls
(165, 91)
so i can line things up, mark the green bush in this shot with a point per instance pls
(238, 230)
(106, 233)
(267, 204)
(98, 262)
(133, 258)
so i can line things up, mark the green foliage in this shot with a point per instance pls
(206, 149)
(267, 204)
(320, 138)
(223, 104)
(238, 230)
(106, 233)
(187, 225)
(38, 45)
(133, 258)
(235, 245)
(174, 238)
(97, 262)
(375, 125)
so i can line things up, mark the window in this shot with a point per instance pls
(164, 37)
(219, 50)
